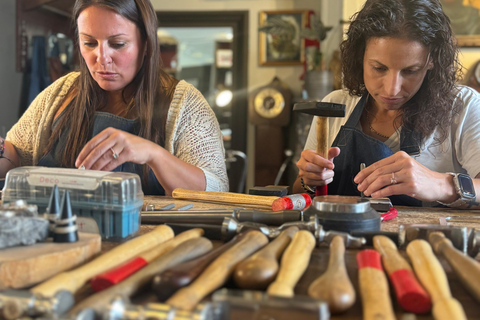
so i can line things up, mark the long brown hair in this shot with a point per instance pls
(435, 104)
(151, 90)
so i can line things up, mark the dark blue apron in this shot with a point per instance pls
(357, 147)
(102, 121)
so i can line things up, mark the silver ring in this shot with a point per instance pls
(392, 179)
(114, 154)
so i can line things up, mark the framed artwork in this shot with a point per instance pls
(465, 19)
(279, 37)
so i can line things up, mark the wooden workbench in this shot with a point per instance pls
(319, 258)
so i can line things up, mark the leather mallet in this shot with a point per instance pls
(430, 273)
(260, 269)
(294, 263)
(410, 293)
(465, 267)
(322, 110)
(217, 273)
(333, 285)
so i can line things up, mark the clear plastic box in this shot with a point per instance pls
(113, 199)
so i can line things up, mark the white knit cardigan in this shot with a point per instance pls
(192, 132)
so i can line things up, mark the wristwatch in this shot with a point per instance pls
(465, 190)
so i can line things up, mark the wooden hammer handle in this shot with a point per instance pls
(294, 263)
(217, 272)
(322, 148)
(187, 250)
(119, 273)
(223, 197)
(373, 285)
(75, 279)
(430, 273)
(333, 285)
(410, 294)
(260, 269)
(465, 267)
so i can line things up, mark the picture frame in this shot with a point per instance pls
(279, 40)
(465, 20)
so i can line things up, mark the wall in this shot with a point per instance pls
(10, 80)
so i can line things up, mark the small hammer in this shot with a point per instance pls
(322, 110)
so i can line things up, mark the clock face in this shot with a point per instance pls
(269, 103)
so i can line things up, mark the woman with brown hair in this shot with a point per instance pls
(407, 120)
(121, 111)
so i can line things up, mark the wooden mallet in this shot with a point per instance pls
(323, 111)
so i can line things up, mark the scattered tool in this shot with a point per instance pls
(58, 290)
(333, 285)
(189, 249)
(373, 285)
(467, 241)
(430, 273)
(66, 227)
(344, 213)
(165, 284)
(322, 110)
(119, 273)
(260, 269)
(217, 272)
(410, 294)
(230, 227)
(466, 268)
(217, 216)
(288, 203)
(294, 263)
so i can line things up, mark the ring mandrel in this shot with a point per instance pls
(53, 210)
(66, 227)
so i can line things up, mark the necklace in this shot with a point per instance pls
(373, 130)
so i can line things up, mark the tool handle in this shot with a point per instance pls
(428, 270)
(187, 250)
(465, 267)
(260, 269)
(294, 263)
(373, 284)
(217, 272)
(333, 285)
(224, 197)
(168, 282)
(75, 279)
(322, 148)
(448, 309)
(119, 273)
(409, 292)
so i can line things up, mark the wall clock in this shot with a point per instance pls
(271, 104)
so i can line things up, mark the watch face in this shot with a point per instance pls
(269, 103)
(466, 186)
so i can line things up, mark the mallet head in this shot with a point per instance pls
(321, 109)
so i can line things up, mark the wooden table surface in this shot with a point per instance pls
(319, 259)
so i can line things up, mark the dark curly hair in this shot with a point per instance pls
(434, 105)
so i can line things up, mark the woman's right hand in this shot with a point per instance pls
(315, 170)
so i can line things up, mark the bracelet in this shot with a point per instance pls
(2, 151)
(307, 188)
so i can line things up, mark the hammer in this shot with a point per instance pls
(430, 273)
(322, 110)
(55, 295)
(333, 285)
(216, 274)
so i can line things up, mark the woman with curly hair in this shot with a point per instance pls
(406, 118)
(121, 111)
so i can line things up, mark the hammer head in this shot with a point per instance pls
(322, 109)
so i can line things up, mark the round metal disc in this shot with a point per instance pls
(341, 204)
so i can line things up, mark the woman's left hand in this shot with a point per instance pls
(401, 174)
(111, 148)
